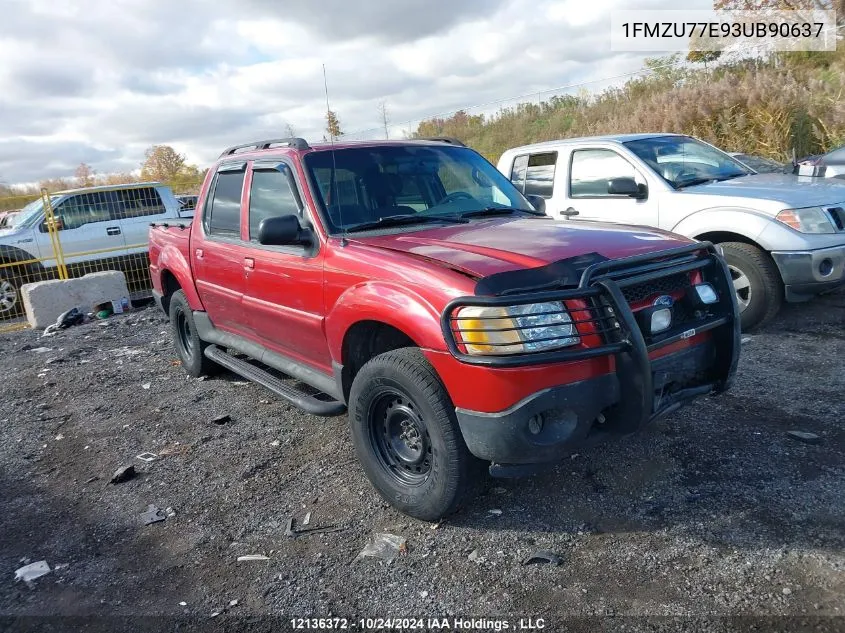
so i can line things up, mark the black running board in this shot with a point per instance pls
(299, 399)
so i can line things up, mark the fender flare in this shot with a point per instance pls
(173, 261)
(387, 303)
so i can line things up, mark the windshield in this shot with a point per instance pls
(361, 185)
(683, 161)
(28, 213)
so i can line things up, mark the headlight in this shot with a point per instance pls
(534, 327)
(809, 220)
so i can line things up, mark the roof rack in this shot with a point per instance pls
(294, 142)
(442, 139)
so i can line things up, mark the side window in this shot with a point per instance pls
(87, 208)
(540, 174)
(141, 201)
(520, 165)
(592, 169)
(269, 196)
(225, 210)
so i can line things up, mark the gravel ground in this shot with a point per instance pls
(712, 511)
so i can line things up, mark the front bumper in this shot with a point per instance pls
(647, 382)
(808, 273)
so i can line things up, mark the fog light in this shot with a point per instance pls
(535, 424)
(706, 293)
(661, 320)
(826, 267)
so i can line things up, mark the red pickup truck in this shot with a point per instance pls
(412, 284)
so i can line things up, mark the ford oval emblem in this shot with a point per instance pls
(664, 300)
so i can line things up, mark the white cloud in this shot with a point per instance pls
(100, 80)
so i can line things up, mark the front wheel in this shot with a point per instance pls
(407, 438)
(756, 281)
(188, 344)
(10, 300)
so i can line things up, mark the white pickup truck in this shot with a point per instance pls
(783, 235)
(99, 228)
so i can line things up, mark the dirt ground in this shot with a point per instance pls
(714, 511)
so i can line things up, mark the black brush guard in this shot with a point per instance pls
(602, 285)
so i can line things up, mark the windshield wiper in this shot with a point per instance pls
(731, 177)
(399, 220)
(693, 182)
(500, 211)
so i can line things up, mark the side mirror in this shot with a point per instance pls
(283, 230)
(626, 187)
(538, 202)
(57, 221)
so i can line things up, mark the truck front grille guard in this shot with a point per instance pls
(602, 285)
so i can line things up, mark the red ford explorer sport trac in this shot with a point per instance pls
(412, 285)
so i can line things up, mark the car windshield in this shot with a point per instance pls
(683, 161)
(30, 212)
(361, 185)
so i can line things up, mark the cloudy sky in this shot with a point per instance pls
(101, 80)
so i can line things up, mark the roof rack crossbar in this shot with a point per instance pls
(442, 139)
(293, 141)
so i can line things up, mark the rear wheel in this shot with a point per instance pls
(188, 344)
(407, 438)
(756, 281)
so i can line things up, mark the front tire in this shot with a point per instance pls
(757, 282)
(11, 305)
(407, 439)
(188, 344)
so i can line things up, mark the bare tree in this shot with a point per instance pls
(290, 131)
(385, 117)
(84, 175)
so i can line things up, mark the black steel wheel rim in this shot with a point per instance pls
(400, 438)
(183, 330)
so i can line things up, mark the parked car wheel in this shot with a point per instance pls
(407, 438)
(759, 290)
(11, 305)
(188, 344)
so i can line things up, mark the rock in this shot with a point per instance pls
(787, 591)
(475, 557)
(222, 419)
(543, 556)
(495, 512)
(423, 594)
(124, 473)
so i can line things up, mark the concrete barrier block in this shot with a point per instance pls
(45, 301)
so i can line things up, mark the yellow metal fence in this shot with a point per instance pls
(63, 237)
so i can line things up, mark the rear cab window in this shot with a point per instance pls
(140, 201)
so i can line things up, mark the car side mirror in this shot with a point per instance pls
(538, 202)
(57, 222)
(626, 187)
(283, 230)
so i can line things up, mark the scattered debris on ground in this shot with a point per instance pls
(30, 572)
(804, 436)
(153, 514)
(385, 546)
(124, 473)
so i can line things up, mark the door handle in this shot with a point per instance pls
(570, 212)
(249, 263)
(112, 230)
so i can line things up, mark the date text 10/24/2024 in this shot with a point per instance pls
(417, 624)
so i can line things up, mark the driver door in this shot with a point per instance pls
(590, 172)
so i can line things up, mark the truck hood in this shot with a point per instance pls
(485, 247)
(793, 192)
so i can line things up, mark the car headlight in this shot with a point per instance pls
(809, 220)
(533, 327)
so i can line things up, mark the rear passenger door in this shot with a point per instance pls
(218, 254)
(283, 299)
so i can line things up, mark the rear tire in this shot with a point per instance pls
(407, 439)
(757, 283)
(188, 344)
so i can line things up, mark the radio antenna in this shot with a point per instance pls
(333, 178)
